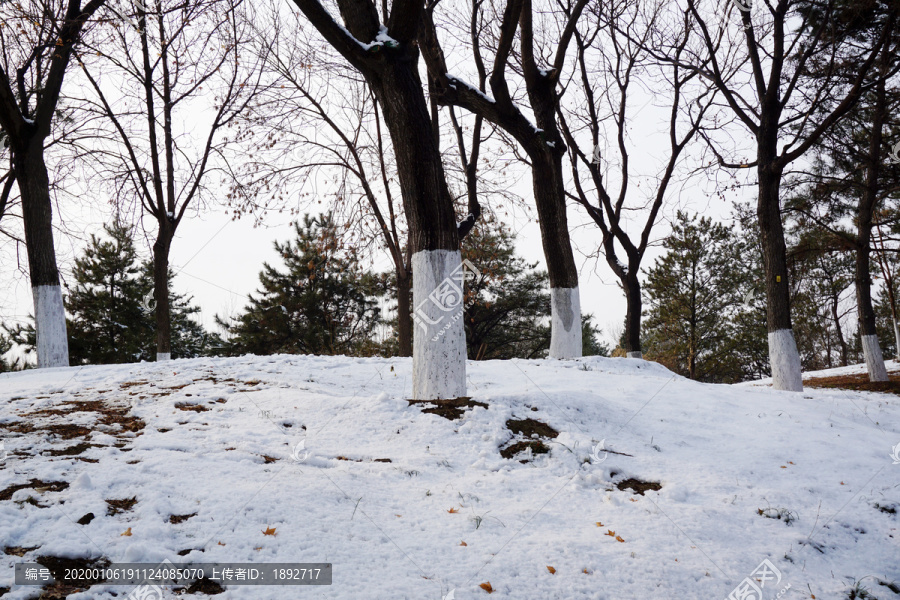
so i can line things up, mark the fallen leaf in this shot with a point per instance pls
(790, 462)
(398, 515)
(599, 524)
(783, 466)
(452, 511)
(127, 532)
(633, 499)
(258, 548)
(463, 544)
(619, 539)
(269, 531)
(585, 571)
(487, 587)
(610, 533)
(551, 569)
(221, 543)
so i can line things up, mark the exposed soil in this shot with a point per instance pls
(527, 427)
(857, 382)
(18, 550)
(193, 407)
(449, 409)
(36, 484)
(119, 506)
(86, 519)
(176, 519)
(72, 450)
(537, 447)
(202, 586)
(638, 486)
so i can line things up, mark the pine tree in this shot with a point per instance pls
(691, 292)
(107, 324)
(322, 304)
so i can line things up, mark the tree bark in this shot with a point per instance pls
(404, 315)
(161, 248)
(37, 216)
(632, 315)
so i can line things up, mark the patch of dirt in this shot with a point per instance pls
(115, 507)
(537, 447)
(527, 427)
(85, 519)
(19, 551)
(201, 586)
(858, 382)
(381, 460)
(194, 407)
(176, 519)
(4, 591)
(72, 450)
(890, 509)
(638, 486)
(449, 409)
(268, 459)
(35, 484)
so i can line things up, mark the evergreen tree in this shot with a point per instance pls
(322, 304)
(107, 324)
(692, 291)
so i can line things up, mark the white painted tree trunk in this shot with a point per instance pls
(874, 360)
(565, 323)
(50, 326)
(161, 356)
(635, 354)
(439, 338)
(785, 361)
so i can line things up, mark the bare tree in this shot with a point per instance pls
(163, 64)
(793, 93)
(541, 69)
(36, 44)
(384, 50)
(609, 79)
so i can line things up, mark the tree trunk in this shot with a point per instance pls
(439, 345)
(565, 301)
(632, 315)
(784, 358)
(37, 216)
(161, 290)
(404, 316)
(867, 332)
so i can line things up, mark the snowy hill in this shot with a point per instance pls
(327, 454)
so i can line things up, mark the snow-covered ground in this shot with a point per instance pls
(448, 513)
